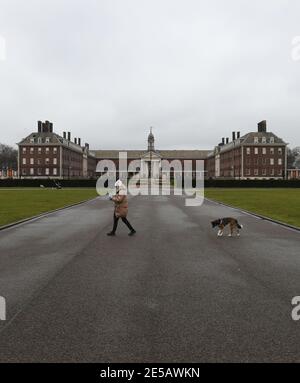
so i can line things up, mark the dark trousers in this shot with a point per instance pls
(125, 220)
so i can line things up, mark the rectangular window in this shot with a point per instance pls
(39, 171)
(256, 151)
(280, 173)
(279, 161)
(47, 161)
(39, 161)
(54, 161)
(47, 172)
(31, 150)
(31, 171)
(264, 172)
(40, 140)
(40, 150)
(272, 151)
(47, 150)
(248, 150)
(264, 161)
(256, 161)
(47, 140)
(272, 172)
(256, 172)
(248, 172)
(54, 150)
(24, 172)
(24, 150)
(272, 140)
(256, 140)
(54, 171)
(32, 140)
(31, 161)
(264, 151)
(280, 151)
(24, 161)
(271, 161)
(264, 140)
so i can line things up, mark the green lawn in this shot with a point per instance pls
(280, 204)
(17, 204)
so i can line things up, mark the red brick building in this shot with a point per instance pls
(256, 155)
(45, 154)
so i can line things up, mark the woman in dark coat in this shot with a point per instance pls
(121, 208)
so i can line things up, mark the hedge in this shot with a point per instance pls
(6, 183)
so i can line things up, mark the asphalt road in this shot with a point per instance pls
(173, 293)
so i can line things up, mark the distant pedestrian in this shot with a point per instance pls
(121, 208)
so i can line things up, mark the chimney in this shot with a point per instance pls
(227, 140)
(75, 141)
(87, 146)
(51, 127)
(69, 136)
(65, 135)
(47, 126)
(223, 140)
(262, 126)
(233, 136)
(238, 135)
(40, 126)
(79, 141)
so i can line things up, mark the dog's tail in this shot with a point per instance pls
(239, 226)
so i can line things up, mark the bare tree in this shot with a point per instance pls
(8, 157)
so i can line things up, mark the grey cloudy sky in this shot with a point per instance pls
(109, 69)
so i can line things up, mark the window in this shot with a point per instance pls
(54, 171)
(271, 150)
(279, 161)
(248, 172)
(255, 150)
(39, 171)
(31, 171)
(248, 161)
(47, 171)
(24, 161)
(31, 161)
(40, 150)
(256, 140)
(24, 150)
(272, 172)
(280, 151)
(39, 161)
(47, 161)
(264, 140)
(256, 172)
(54, 150)
(264, 161)
(31, 150)
(47, 150)
(256, 161)
(264, 151)
(280, 173)
(47, 140)
(248, 150)
(272, 140)
(264, 172)
(32, 140)
(54, 161)
(271, 161)
(40, 140)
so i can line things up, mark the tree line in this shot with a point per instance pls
(8, 157)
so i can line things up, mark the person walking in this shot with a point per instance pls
(121, 208)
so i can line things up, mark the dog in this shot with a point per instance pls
(222, 222)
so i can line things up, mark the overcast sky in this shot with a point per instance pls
(107, 70)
